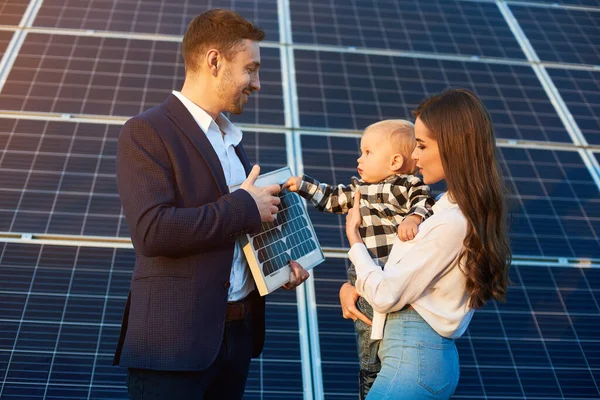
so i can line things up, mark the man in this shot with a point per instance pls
(193, 317)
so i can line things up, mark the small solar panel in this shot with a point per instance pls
(150, 16)
(60, 177)
(290, 237)
(580, 90)
(539, 344)
(61, 310)
(446, 27)
(560, 34)
(11, 11)
(352, 91)
(554, 201)
(118, 77)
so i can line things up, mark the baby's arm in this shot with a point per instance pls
(335, 199)
(419, 203)
(409, 227)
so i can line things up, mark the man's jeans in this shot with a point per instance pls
(225, 379)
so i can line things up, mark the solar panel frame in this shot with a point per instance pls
(561, 34)
(580, 90)
(60, 177)
(547, 3)
(71, 74)
(152, 17)
(340, 90)
(11, 11)
(441, 27)
(527, 361)
(555, 207)
(60, 325)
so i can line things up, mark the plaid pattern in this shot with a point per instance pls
(383, 205)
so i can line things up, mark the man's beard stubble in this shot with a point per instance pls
(233, 107)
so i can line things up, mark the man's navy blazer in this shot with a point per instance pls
(183, 224)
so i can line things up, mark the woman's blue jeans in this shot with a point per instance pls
(416, 362)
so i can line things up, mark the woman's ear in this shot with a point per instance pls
(396, 162)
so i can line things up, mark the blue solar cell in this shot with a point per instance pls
(549, 193)
(59, 177)
(516, 100)
(5, 37)
(61, 316)
(152, 16)
(90, 75)
(11, 12)
(466, 28)
(521, 350)
(580, 90)
(583, 3)
(560, 34)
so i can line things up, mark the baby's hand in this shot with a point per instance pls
(293, 184)
(409, 228)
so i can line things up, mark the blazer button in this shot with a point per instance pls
(227, 285)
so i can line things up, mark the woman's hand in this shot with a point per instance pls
(348, 298)
(353, 221)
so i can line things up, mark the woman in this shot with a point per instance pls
(460, 258)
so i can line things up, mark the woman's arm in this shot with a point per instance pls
(403, 280)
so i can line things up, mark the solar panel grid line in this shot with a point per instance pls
(54, 353)
(592, 164)
(9, 55)
(12, 352)
(554, 5)
(102, 321)
(529, 217)
(124, 35)
(547, 83)
(549, 4)
(560, 34)
(561, 107)
(539, 331)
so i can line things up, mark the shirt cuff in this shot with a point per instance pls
(360, 257)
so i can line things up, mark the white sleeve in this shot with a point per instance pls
(402, 281)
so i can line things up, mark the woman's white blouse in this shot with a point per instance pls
(423, 272)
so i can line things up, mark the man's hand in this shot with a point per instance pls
(263, 196)
(348, 298)
(293, 184)
(408, 229)
(297, 275)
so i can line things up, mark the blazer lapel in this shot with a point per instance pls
(241, 153)
(184, 120)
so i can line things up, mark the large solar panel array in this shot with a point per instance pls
(562, 35)
(540, 344)
(77, 70)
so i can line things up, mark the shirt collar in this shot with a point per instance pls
(233, 135)
(444, 203)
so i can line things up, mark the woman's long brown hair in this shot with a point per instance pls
(459, 122)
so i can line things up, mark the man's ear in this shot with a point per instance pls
(211, 61)
(396, 162)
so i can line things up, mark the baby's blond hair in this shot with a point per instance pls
(401, 136)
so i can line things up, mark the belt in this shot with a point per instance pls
(237, 310)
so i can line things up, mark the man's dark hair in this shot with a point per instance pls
(221, 29)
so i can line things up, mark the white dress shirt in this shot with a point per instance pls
(224, 145)
(423, 272)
